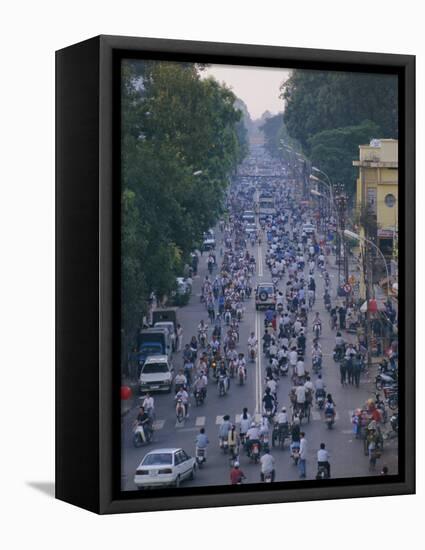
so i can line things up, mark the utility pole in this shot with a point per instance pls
(341, 204)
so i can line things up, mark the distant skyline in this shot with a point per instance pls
(258, 87)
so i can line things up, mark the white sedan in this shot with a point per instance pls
(164, 467)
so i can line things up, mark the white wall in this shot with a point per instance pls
(29, 33)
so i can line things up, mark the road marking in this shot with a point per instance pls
(346, 432)
(158, 424)
(219, 419)
(260, 262)
(238, 419)
(200, 421)
(257, 417)
(316, 415)
(180, 424)
(258, 389)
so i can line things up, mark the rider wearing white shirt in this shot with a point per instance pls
(300, 394)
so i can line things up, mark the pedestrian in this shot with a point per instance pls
(179, 337)
(303, 455)
(342, 313)
(343, 371)
(350, 370)
(357, 369)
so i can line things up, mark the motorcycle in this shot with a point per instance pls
(203, 339)
(222, 385)
(254, 452)
(201, 456)
(199, 397)
(316, 330)
(383, 379)
(141, 435)
(268, 477)
(320, 399)
(329, 419)
(317, 364)
(322, 472)
(241, 376)
(252, 353)
(338, 353)
(180, 412)
(295, 454)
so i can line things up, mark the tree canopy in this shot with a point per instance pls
(327, 111)
(181, 140)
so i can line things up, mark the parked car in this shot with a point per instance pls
(265, 296)
(164, 467)
(156, 374)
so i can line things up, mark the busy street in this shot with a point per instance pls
(270, 378)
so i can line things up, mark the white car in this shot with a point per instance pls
(164, 467)
(156, 374)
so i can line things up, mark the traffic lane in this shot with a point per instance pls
(167, 434)
(350, 460)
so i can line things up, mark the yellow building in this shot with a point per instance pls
(377, 187)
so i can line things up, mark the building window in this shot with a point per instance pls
(390, 200)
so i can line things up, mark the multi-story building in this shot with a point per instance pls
(377, 191)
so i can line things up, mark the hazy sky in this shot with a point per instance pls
(258, 87)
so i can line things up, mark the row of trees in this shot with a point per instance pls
(331, 113)
(275, 132)
(182, 138)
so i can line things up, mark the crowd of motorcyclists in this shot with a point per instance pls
(295, 257)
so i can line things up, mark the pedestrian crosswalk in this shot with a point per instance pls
(201, 421)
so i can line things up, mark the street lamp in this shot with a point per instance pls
(359, 238)
(197, 173)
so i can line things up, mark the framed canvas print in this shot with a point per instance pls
(235, 274)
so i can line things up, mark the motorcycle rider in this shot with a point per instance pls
(222, 372)
(245, 423)
(252, 436)
(236, 475)
(269, 402)
(252, 343)
(180, 380)
(317, 322)
(267, 465)
(201, 442)
(339, 344)
(319, 386)
(323, 459)
(316, 352)
(148, 405)
(184, 397)
(330, 407)
(200, 385)
(224, 429)
(144, 421)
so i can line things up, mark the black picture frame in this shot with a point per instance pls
(87, 272)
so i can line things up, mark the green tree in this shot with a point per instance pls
(323, 100)
(334, 151)
(181, 140)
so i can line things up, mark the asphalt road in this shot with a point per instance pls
(346, 453)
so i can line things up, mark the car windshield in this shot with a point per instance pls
(161, 459)
(153, 368)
